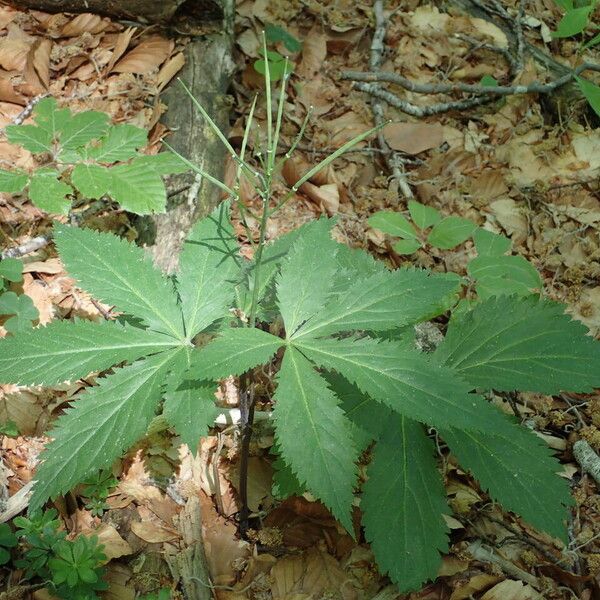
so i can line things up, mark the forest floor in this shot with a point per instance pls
(526, 166)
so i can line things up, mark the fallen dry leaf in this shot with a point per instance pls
(413, 138)
(509, 589)
(145, 57)
(152, 532)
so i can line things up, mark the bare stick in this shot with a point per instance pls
(587, 459)
(32, 245)
(420, 111)
(393, 159)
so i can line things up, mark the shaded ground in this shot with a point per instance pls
(518, 166)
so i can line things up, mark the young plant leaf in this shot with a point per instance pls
(163, 163)
(23, 311)
(209, 263)
(122, 275)
(121, 143)
(510, 343)
(50, 118)
(386, 300)
(407, 246)
(49, 193)
(403, 506)
(314, 436)
(591, 92)
(306, 277)
(13, 182)
(574, 21)
(488, 243)
(393, 223)
(11, 269)
(92, 181)
(450, 232)
(82, 128)
(66, 350)
(423, 216)
(101, 425)
(233, 352)
(32, 138)
(404, 380)
(518, 470)
(138, 188)
(504, 275)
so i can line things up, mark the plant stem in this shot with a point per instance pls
(247, 420)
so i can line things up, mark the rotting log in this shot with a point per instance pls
(164, 12)
(208, 71)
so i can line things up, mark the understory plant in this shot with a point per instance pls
(84, 156)
(492, 272)
(16, 310)
(351, 387)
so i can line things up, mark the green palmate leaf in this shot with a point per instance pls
(393, 223)
(511, 343)
(93, 181)
(285, 483)
(403, 503)
(23, 309)
(208, 265)
(406, 381)
(573, 22)
(314, 436)
(591, 92)
(407, 246)
(504, 275)
(64, 351)
(518, 470)
(11, 269)
(272, 257)
(423, 216)
(48, 193)
(234, 352)
(306, 277)
(50, 118)
(102, 423)
(122, 275)
(490, 244)
(32, 138)
(189, 406)
(13, 182)
(138, 188)
(121, 143)
(384, 301)
(450, 232)
(82, 128)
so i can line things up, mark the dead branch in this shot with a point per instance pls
(587, 459)
(393, 159)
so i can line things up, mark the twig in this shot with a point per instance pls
(420, 111)
(32, 245)
(587, 459)
(449, 88)
(519, 36)
(393, 159)
(484, 553)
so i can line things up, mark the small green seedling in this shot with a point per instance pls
(83, 155)
(18, 307)
(8, 540)
(427, 227)
(76, 569)
(575, 21)
(279, 65)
